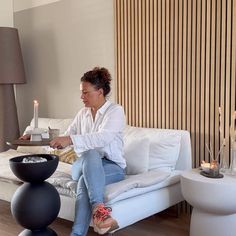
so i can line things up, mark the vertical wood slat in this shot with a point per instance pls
(207, 77)
(140, 65)
(193, 74)
(222, 63)
(175, 62)
(159, 67)
(212, 74)
(129, 60)
(228, 75)
(135, 79)
(163, 64)
(182, 52)
(233, 85)
(176, 65)
(202, 80)
(197, 82)
(167, 64)
(171, 68)
(218, 142)
(155, 63)
(180, 66)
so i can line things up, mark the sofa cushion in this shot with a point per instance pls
(136, 153)
(164, 151)
(164, 145)
(135, 181)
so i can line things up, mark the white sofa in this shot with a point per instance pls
(155, 160)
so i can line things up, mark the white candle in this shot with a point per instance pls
(36, 107)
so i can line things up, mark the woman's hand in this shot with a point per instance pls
(61, 142)
(25, 137)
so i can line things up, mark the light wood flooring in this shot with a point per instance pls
(163, 224)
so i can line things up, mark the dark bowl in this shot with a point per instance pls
(34, 172)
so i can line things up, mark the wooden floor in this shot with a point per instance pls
(163, 224)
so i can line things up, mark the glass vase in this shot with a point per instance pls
(232, 168)
(223, 164)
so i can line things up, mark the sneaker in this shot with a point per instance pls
(102, 220)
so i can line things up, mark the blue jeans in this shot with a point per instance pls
(93, 173)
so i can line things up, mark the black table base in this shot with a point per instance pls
(36, 203)
(43, 232)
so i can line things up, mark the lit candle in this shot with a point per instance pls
(36, 107)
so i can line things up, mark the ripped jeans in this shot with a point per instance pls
(93, 173)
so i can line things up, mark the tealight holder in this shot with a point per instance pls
(214, 170)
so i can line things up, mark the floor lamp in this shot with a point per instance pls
(11, 72)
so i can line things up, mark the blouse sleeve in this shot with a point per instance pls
(74, 127)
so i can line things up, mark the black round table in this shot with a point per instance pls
(36, 203)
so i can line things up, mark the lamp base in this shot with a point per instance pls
(9, 126)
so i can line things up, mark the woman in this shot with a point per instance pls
(96, 133)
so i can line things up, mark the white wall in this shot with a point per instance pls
(6, 13)
(20, 5)
(60, 41)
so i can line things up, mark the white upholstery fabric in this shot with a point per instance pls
(140, 206)
(61, 124)
(164, 145)
(133, 182)
(164, 150)
(136, 154)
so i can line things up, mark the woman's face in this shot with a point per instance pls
(91, 96)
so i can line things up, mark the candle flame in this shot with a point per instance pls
(36, 102)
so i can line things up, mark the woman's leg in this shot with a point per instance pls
(94, 176)
(82, 210)
(76, 169)
(96, 173)
(113, 172)
(102, 220)
(89, 168)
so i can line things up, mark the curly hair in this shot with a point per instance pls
(99, 77)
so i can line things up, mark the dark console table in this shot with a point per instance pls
(20, 142)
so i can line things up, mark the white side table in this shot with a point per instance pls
(213, 201)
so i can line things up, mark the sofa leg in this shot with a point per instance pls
(178, 211)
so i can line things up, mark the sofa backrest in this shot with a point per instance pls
(61, 124)
(184, 160)
(164, 143)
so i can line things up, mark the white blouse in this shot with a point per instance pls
(104, 133)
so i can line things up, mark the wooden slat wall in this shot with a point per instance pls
(175, 66)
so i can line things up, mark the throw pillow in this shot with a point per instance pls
(66, 155)
(164, 150)
(136, 154)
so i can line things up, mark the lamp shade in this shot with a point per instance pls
(11, 61)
